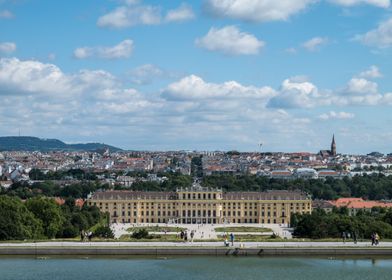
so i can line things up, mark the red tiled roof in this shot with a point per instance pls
(59, 200)
(79, 202)
(359, 203)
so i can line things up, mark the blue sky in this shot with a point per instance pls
(204, 75)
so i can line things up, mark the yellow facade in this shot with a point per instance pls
(201, 205)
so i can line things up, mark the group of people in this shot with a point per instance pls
(86, 235)
(375, 238)
(184, 235)
(226, 242)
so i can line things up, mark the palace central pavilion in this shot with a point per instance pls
(198, 204)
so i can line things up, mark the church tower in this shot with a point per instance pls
(333, 146)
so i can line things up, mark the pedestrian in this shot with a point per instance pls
(182, 234)
(192, 235)
(90, 236)
(376, 239)
(373, 238)
(232, 239)
(82, 235)
(186, 236)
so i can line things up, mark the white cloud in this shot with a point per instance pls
(182, 13)
(230, 40)
(295, 94)
(381, 37)
(195, 88)
(332, 115)
(387, 99)
(372, 73)
(6, 14)
(135, 14)
(144, 74)
(349, 3)
(30, 76)
(124, 16)
(315, 43)
(122, 50)
(38, 96)
(34, 77)
(257, 10)
(361, 86)
(358, 91)
(7, 47)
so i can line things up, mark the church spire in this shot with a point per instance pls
(333, 146)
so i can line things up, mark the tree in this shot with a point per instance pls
(197, 167)
(49, 213)
(16, 222)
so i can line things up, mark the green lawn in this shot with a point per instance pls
(157, 229)
(242, 229)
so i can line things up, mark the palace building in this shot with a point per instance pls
(197, 204)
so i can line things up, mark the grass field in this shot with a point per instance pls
(242, 229)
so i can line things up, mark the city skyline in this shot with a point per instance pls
(205, 75)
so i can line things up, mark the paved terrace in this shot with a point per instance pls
(205, 231)
(54, 244)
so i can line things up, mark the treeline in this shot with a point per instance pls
(78, 174)
(320, 224)
(43, 218)
(81, 189)
(174, 180)
(373, 187)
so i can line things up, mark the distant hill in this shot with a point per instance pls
(27, 143)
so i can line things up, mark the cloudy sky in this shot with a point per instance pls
(204, 75)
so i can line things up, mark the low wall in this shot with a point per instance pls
(148, 251)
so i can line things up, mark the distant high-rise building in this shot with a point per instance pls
(333, 146)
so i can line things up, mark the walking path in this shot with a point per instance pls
(196, 244)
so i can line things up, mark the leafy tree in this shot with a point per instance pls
(49, 213)
(16, 222)
(319, 224)
(197, 166)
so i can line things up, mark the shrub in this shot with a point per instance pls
(140, 234)
(104, 232)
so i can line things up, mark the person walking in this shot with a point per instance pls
(232, 239)
(192, 235)
(89, 236)
(373, 238)
(182, 235)
(376, 238)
